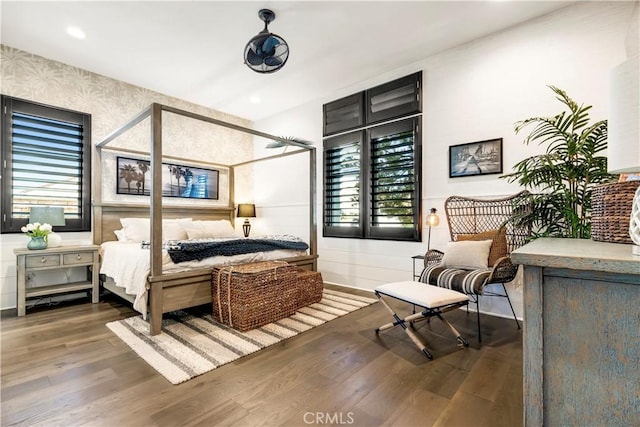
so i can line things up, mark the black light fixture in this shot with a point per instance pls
(247, 210)
(266, 52)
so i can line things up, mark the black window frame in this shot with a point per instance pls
(343, 114)
(348, 140)
(11, 224)
(398, 108)
(372, 231)
(365, 227)
(395, 99)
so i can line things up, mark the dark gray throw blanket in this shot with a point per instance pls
(197, 250)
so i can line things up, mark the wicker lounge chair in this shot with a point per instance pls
(498, 220)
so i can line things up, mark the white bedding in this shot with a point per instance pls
(129, 266)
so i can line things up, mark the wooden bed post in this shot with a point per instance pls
(313, 222)
(155, 214)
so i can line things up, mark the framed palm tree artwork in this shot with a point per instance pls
(190, 182)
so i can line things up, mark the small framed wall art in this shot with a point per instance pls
(134, 177)
(475, 158)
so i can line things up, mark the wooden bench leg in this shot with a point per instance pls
(403, 322)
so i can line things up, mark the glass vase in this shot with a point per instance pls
(37, 242)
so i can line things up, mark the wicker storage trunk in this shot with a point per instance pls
(248, 296)
(611, 211)
(310, 286)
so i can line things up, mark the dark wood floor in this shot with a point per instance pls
(62, 367)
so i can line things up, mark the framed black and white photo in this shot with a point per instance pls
(475, 158)
(134, 177)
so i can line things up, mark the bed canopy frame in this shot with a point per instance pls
(173, 291)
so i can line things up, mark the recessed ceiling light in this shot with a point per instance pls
(76, 32)
(255, 99)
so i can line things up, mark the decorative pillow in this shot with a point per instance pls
(498, 247)
(467, 255)
(120, 235)
(210, 229)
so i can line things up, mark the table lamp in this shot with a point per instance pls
(432, 221)
(52, 215)
(624, 133)
(246, 211)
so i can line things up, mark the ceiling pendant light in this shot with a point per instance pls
(266, 52)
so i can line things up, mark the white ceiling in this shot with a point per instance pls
(193, 49)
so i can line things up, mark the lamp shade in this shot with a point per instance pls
(47, 214)
(433, 219)
(624, 118)
(247, 210)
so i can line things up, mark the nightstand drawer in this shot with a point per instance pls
(77, 258)
(42, 261)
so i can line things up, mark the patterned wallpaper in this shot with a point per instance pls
(112, 103)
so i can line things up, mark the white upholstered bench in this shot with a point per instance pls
(433, 299)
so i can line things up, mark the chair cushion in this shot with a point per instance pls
(421, 294)
(467, 255)
(465, 281)
(498, 247)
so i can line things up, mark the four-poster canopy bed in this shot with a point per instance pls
(177, 290)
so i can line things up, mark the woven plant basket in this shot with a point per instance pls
(310, 286)
(611, 211)
(248, 296)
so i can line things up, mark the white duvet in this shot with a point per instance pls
(129, 266)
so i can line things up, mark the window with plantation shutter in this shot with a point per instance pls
(344, 114)
(398, 98)
(372, 174)
(46, 159)
(342, 185)
(394, 172)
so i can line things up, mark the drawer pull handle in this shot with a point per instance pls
(43, 260)
(78, 256)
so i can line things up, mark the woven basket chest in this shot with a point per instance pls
(309, 285)
(248, 296)
(611, 206)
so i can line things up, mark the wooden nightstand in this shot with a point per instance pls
(56, 258)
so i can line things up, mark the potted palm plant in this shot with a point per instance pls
(563, 178)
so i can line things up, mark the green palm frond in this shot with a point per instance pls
(562, 179)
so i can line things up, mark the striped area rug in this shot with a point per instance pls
(190, 346)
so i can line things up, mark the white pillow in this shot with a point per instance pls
(467, 254)
(174, 229)
(197, 233)
(210, 229)
(120, 235)
(135, 229)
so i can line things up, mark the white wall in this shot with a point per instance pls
(471, 93)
